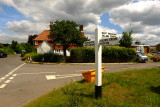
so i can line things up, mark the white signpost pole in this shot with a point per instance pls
(98, 63)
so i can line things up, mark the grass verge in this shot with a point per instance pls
(134, 88)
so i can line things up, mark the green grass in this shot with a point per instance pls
(134, 88)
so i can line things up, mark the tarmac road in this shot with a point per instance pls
(29, 81)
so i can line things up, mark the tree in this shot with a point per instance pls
(15, 46)
(66, 33)
(126, 40)
(1, 45)
(30, 39)
(27, 47)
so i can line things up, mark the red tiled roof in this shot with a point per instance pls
(43, 36)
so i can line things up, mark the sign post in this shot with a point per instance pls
(98, 65)
(105, 39)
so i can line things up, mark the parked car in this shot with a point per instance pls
(154, 53)
(3, 54)
(141, 57)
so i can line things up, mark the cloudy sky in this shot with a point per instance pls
(20, 18)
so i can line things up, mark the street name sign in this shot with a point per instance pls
(104, 42)
(109, 41)
(88, 43)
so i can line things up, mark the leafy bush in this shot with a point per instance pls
(37, 58)
(117, 54)
(80, 55)
(7, 50)
(109, 54)
(150, 56)
(47, 57)
(156, 58)
(51, 57)
(27, 56)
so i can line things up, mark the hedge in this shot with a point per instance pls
(109, 54)
(46, 57)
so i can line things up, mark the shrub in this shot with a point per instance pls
(27, 56)
(117, 54)
(80, 55)
(109, 54)
(37, 58)
(7, 50)
(156, 58)
(51, 57)
(150, 56)
(47, 57)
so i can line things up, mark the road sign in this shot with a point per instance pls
(101, 38)
(98, 64)
(88, 43)
(109, 41)
(108, 35)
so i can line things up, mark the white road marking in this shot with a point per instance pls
(12, 71)
(11, 78)
(16, 69)
(2, 78)
(14, 75)
(49, 77)
(3, 85)
(8, 81)
(33, 73)
(68, 76)
(6, 75)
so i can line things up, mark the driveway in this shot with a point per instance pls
(29, 81)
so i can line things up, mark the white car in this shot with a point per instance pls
(141, 57)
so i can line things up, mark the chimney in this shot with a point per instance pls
(81, 28)
(51, 24)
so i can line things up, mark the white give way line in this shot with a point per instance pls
(50, 77)
(10, 73)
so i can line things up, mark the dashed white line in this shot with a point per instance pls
(11, 78)
(12, 72)
(2, 78)
(8, 81)
(14, 75)
(3, 85)
(6, 75)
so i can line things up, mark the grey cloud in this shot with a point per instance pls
(146, 13)
(7, 38)
(40, 12)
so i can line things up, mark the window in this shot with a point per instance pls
(36, 42)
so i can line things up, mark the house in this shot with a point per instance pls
(138, 46)
(44, 47)
(153, 48)
(44, 44)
